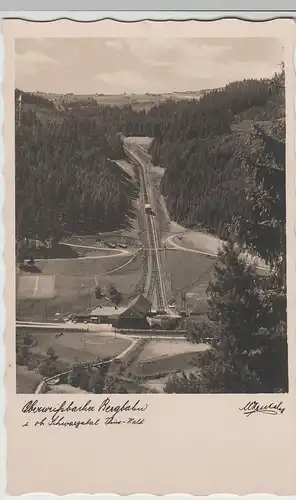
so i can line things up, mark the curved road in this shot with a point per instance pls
(175, 245)
(254, 260)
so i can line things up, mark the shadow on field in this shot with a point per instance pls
(30, 268)
(59, 251)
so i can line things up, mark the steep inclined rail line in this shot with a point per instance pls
(154, 277)
(157, 281)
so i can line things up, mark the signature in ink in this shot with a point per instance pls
(269, 409)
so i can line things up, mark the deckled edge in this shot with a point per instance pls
(29, 16)
(2, 283)
(138, 17)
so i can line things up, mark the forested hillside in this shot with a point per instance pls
(65, 179)
(200, 145)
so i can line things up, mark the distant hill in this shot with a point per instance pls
(137, 101)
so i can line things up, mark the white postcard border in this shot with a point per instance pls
(2, 312)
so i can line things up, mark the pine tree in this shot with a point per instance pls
(114, 295)
(98, 293)
(234, 301)
(24, 344)
(263, 230)
(48, 366)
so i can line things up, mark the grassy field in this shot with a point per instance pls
(163, 357)
(200, 241)
(85, 347)
(182, 361)
(187, 272)
(67, 286)
(159, 348)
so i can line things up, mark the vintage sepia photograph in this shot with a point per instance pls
(149, 222)
(150, 215)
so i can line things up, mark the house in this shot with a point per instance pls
(131, 316)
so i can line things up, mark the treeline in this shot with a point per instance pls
(35, 99)
(66, 181)
(76, 103)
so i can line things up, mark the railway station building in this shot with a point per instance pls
(134, 315)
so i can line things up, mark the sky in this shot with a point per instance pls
(155, 65)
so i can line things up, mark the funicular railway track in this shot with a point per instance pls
(154, 280)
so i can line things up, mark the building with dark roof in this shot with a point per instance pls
(131, 316)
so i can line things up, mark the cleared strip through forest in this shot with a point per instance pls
(154, 279)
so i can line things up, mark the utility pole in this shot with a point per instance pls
(183, 301)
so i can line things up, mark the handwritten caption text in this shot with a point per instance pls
(88, 415)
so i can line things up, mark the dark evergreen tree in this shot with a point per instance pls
(249, 310)
(48, 366)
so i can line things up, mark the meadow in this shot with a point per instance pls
(82, 346)
(176, 359)
(66, 286)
